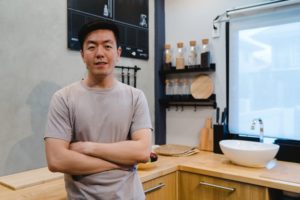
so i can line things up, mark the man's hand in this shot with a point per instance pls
(82, 147)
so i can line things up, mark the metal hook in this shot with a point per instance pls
(122, 75)
(168, 108)
(128, 76)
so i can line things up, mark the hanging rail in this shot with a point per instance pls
(135, 69)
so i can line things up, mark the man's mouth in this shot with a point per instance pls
(100, 63)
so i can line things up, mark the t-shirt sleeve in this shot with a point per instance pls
(141, 115)
(58, 122)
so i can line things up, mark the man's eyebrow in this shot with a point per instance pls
(91, 42)
(108, 41)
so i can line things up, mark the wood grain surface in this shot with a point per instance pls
(202, 87)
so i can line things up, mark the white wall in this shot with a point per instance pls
(192, 20)
(35, 62)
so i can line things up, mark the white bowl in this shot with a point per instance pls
(250, 154)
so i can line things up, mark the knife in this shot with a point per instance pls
(224, 115)
(218, 115)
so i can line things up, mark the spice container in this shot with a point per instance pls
(175, 86)
(192, 58)
(186, 87)
(180, 56)
(180, 87)
(205, 53)
(167, 57)
(168, 87)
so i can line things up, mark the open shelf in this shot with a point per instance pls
(187, 100)
(190, 69)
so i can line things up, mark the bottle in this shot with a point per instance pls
(192, 59)
(168, 87)
(167, 57)
(186, 87)
(205, 54)
(180, 88)
(105, 11)
(175, 87)
(180, 56)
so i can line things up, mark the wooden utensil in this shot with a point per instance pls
(202, 87)
(173, 149)
(206, 136)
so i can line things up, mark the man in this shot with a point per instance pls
(98, 128)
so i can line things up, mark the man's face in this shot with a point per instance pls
(100, 53)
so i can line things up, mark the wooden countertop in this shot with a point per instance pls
(206, 163)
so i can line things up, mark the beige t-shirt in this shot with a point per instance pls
(79, 113)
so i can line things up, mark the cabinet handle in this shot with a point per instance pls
(218, 186)
(159, 186)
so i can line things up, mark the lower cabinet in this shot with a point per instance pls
(163, 188)
(200, 187)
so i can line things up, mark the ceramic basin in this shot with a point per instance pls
(250, 154)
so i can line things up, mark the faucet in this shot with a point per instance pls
(261, 128)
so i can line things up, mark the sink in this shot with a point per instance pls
(247, 153)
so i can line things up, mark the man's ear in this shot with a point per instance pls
(119, 51)
(82, 56)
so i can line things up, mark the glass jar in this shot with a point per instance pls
(205, 54)
(192, 58)
(180, 56)
(167, 57)
(175, 86)
(180, 89)
(186, 87)
(168, 87)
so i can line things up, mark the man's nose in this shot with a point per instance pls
(99, 52)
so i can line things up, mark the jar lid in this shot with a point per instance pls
(193, 43)
(205, 41)
(180, 44)
(167, 46)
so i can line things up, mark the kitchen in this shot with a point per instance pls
(41, 17)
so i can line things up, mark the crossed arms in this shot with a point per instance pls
(81, 158)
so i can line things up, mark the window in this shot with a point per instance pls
(264, 71)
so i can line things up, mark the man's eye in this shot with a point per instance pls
(108, 46)
(90, 47)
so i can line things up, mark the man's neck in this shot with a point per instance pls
(99, 82)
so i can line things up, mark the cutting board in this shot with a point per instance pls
(206, 136)
(175, 150)
(29, 178)
(202, 87)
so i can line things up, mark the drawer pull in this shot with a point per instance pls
(159, 186)
(218, 186)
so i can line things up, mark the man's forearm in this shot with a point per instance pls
(127, 152)
(62, 159)
(75, 163)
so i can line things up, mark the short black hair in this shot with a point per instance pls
(96, 25)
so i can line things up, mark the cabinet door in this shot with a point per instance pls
(200, 187)
(163, 187)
